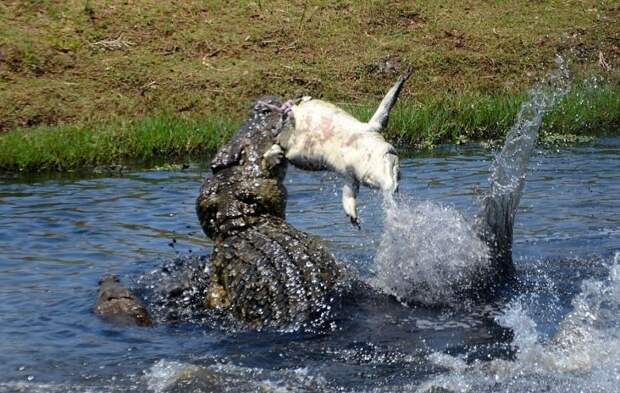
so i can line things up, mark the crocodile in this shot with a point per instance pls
(263, 270)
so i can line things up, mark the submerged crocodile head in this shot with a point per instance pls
(117, 304)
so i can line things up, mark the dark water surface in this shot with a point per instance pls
(59, 236)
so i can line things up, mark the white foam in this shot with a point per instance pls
(428, 252)
(583, 355)
(35, 387)
(164, 374)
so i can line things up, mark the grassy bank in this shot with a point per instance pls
(458, 119)
(86, 82)
(62, 148)
(94, 61)
(451, 119)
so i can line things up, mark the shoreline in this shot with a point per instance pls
(170, 138)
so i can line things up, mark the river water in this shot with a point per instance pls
(556, 329)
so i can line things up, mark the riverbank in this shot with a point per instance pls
(86, 83)
(584, 112)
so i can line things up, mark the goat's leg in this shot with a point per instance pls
(349, 201)
(272, 157)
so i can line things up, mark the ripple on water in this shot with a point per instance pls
(58, 237)
(582, 355)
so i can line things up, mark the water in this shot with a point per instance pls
(58, 236)
(419, 260)
(582, 356)
(432, 254)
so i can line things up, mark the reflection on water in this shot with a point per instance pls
(59, 236)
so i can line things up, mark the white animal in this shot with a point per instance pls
(325, 137)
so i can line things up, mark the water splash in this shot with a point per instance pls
(165, 374)
(431, 254)
(175, 292)
(582, 356)
(496, 218)
(173, 376)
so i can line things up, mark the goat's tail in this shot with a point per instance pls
(379, 120)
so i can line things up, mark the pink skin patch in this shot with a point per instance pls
(327, 127)
(352, 139)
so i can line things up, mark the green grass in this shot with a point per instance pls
(76, 76)
(459, 119)
(92, 61)
(63, 148)
(452, 119)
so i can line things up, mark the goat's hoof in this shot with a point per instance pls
(356, 223)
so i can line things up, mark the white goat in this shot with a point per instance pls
(325, 137)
